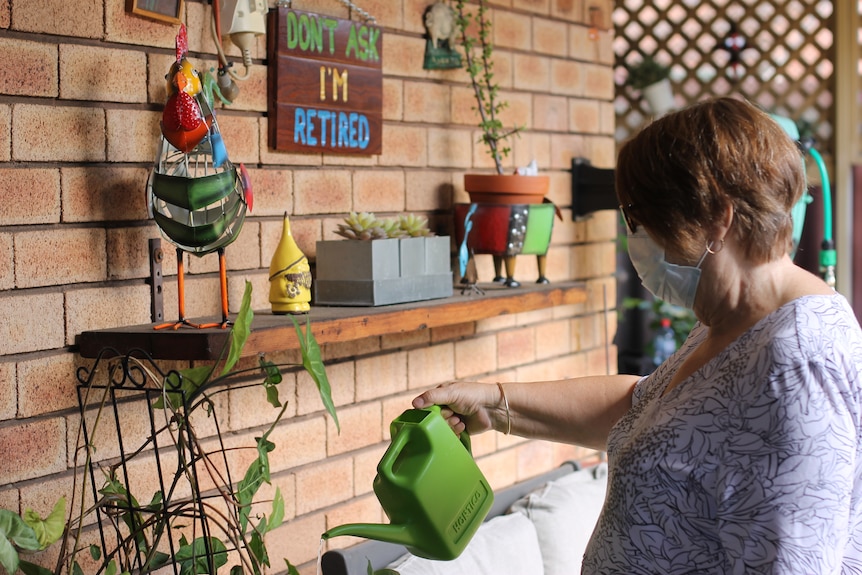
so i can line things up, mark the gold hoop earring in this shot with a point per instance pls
(713, 252)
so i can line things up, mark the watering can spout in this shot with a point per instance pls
(397, 534)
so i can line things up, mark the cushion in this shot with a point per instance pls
(564, 513)
(504, 545)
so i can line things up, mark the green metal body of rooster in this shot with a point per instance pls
(196, 196)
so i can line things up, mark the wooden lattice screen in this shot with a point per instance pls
(786, 66)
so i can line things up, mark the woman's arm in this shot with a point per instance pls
(579, 411)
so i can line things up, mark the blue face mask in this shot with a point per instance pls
(675, 284)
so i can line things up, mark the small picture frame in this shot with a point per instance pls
(162, 10)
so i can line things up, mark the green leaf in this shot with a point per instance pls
(272, 377)
(95, 552)
(236, 570)
(291, 570)
(258, 547)
(313, 364)
(14, 534)
(193, 558)
(50, 529)
(241, 329)
(8, 555)
(76, 569)
(111, 569)
(277, 516)
(28, 568)
(188, 380)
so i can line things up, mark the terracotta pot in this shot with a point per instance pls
(507, 189)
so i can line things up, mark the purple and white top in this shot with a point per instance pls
(753, 464)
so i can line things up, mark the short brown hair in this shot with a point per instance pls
(678, 175)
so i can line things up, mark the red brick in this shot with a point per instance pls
(500, 469)
(24, 332)
(5, 133)
(360, 428)
(299, 441)
(273, 191)
(21, 205)
(96, 73)
(426, 102)
(566, 77)
(129, 252)
(553, 338)
(8, 392)
(393, 99)
(378, 191)
(475, 356)
(321, 192)
(598, 82)
(511, 30)
(401, 54)
(584, 116)
(570, 10)
(537, 6)
(133, 135)
(564, 147)
(127, 28)
(381, 375)
(48, 384)
(429, 366)
(99, 308)
(449, 148)
(324, 484)
(241, 137)
(516, 347)
(602, 150)
(428, 190)
(297, 540)
(404, 146)
(19, 443)
(80, 19)
(30, 68)
(532, 72)
(35, 133)
(5, 15)
(549, 37)
(551, 113)
(61, 256)
(355, 348)
(95, 194)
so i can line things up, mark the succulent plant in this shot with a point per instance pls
(366, 226)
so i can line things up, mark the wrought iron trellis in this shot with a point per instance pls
(139, 536)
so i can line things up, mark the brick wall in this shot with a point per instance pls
(81, 89)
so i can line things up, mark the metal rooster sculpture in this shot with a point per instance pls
(197, 198)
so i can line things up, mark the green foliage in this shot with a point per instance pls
(141, 529)
(646, 73)
(479, 63)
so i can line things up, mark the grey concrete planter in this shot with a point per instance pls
(382, 272)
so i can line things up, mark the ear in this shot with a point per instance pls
(722, 225)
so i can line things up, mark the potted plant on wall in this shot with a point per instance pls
(653, 81)
(479, 63)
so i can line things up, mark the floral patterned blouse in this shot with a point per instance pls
(751, 465)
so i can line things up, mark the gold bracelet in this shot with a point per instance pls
(506, 405)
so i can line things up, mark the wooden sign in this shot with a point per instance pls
(325, 84)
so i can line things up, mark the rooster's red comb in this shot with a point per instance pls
(182, 43)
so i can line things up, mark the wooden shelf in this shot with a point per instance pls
(271, 333)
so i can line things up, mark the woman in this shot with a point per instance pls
(742, 453)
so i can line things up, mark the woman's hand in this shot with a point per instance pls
(471, 406)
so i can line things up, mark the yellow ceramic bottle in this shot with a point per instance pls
(289, 276)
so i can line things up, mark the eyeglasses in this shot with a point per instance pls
(630, 221)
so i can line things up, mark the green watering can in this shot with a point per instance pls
(430, 488)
